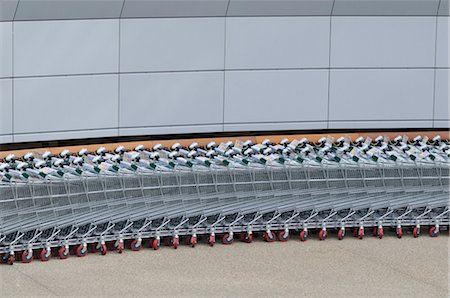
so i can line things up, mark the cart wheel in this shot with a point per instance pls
(155, 244)
(175, 242)
(283, 236)
(27, 256)
(136, 245)
(11, 260)
(323, 234)
(361, 233)
(81, 251)
(103, 249)
(303, 235)
(341, 234)
(95, 248)
(246, 237)
(211, 240)
(193, 240)
(227, 239)
(416, 232)
(117, 245)
(63, 253)
(45, 255)
(399, 232)
(269, 237)
(380, 233)
(434, 232)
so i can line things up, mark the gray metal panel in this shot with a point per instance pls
(443, 42)
(381, 94)
(272, 126)
(380, 124)
(54, 104)
(6, 139)
(280, 7)
(276, 96)
(170, 129)
(441, 124)
(174, 8)
(77, 134)
(7, 9)
(66, 47)
(67, 9)
(386, 7)
(444, 9)
(275, 42)
(383, 41)
(172, 44)
(6, 106)
(6, 49)
(442, 95)
(167, 99)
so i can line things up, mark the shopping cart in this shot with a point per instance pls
(68, 203)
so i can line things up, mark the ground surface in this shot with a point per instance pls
(391, 267)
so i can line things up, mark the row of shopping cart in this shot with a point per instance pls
(66, 202)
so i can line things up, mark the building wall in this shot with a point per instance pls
(80, 69)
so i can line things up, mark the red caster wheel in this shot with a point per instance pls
(303, 235)
(117, 245)
(155, 244)
(361, 233)
(27, 256)
(378, 232)
(227, 239)
(211, 240)
(45, 255)
(434, 232)
(323, 234)
(95, 248)
(399, 232)
(192, 241)
(10, 260)
(283, 236)
(341, 234)
(175, 242)
(269, 236)
(99, 248)
(63, 253)
(103, 249)
(416, 232)
(246, 237)
(81, 251)
(136, 245)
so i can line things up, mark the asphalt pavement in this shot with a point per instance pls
(387, 267)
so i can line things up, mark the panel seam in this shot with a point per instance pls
(15, 11)
(224, 65)
(435, 62)
(13, 79)
(118, 67)
(219, 16)
(221, 70)
(329, 65)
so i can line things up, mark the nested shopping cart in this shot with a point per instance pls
(73, 203)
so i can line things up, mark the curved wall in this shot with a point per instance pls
(80, 69)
